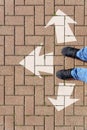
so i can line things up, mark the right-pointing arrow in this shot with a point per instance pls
(63, 99)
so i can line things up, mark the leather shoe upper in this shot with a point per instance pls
(70, 52)
(64, 74)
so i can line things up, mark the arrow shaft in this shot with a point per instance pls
(48, 69)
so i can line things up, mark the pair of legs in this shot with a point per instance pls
(75, 73)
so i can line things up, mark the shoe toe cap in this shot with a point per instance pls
(59, 74)
(64, 51)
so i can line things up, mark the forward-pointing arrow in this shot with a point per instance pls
(36, 63)
(62, 29)
(63, 99)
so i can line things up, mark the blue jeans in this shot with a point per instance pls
(80, 73)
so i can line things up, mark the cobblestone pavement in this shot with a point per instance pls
(24, 103)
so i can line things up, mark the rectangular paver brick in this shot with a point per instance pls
(80, 40)
(79, 128)
(34, 120)
(81, 110)
(24, 10)
(74, 2)
(85, 101)
(14, 100)
(1, 40)
(29, 105)
(64, 128)
(59, 118)
(1, 95)
(24, 128)
(39, 127)
(49, 7)
(19, 113)
(85, 20)
(49, 120)
(86, 41)
(9, 7)
(34, 2)
(9, 45)
(59, 2)
(19, 35)
(9, 85)
(39, 15)
(6, 110)
(1, 120)
(85, 122)
(56, 60)
(24, 51)
(79, 95)
(9, 123)
(1, 2)
(86, 89)
(81, 30)
(34, 40)
(2, 55)
(69, 110)
(31, 80)
(39, 30)
(14, 20)
(69, 64)
(24, 90)
(1, 127)
(74, 120)
(1, 80)
(29, 25)
(1, 15)
(6, 30)
(6, 70)
(19, 2)
(49, 44)
(39, 95)
(41, 110)
(13, 60)
(85, 7)
(48, 85)
(19, 75)
(79, 15)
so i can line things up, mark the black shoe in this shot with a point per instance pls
(70, 52)
(64, 74)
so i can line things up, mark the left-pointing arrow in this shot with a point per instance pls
(36, 63)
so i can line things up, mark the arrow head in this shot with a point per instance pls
(56, 104)
(60, 13)
(36, 63)
(60, 19)
(63, 96)
(28, 63)
(60, 103)
(69, 101)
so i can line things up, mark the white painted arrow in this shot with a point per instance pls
(36, 63)
(62, 29)
(63, 99)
